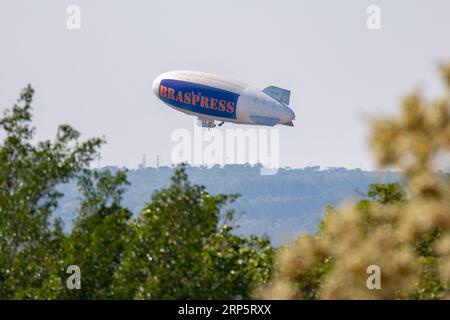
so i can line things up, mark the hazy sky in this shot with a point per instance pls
(99, 78)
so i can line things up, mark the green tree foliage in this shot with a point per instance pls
(100, 233)
(29, 174)
(181, 246)
(386, 193)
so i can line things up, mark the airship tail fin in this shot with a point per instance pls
(279, 94)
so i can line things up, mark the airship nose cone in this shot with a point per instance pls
(155, 86)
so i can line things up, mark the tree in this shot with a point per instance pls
(386, 193)
(101, 230)
(29, 174)
(407, 237)
(182, 247)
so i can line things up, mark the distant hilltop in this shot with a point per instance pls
(280, 205)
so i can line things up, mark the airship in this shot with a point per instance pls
(216, 99)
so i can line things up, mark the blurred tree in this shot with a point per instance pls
(408, 238)
(382, 194)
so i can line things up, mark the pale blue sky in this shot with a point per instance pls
(99, 78)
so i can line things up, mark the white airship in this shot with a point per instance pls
(214, 98)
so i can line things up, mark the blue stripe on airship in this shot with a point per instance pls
(199, 98)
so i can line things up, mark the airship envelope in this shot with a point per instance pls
(214, 98)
